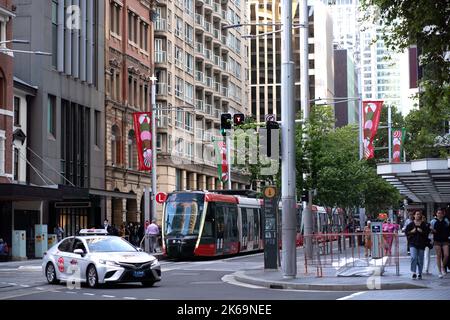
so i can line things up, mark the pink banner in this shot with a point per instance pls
(371, 119)
(143, 131)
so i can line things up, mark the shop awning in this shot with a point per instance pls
(426, 180)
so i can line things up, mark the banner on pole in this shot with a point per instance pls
(398, 141)
(220, 148)
(143, 130)
(371, 120)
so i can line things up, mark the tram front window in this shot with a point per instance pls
(183, 215)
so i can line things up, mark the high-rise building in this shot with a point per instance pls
(128, 69)
(265, 56)
(65, 129)
(201, 70)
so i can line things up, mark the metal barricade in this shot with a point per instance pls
(338, 250)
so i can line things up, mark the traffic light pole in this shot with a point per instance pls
(288, 186)
(228, 142)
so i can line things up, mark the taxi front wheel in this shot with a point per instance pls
(92, 277)
(50, 273)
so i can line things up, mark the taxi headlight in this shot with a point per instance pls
(155, 263)
(108, 262)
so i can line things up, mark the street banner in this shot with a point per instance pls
(371, 119)
(143, 131)
(220, 148)
(398, 141)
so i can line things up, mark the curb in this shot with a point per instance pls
(270, 284)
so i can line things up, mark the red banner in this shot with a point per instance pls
(398, 139)
(371, 119)
(143, 130)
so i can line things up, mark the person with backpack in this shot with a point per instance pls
(440, 227)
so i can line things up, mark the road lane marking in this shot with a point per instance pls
(25, 285)
(12, 284)
(89, 294)
(107, 296)
(129, 298)
(70, 292)
(351, 296)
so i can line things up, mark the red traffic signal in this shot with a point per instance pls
(238, 119)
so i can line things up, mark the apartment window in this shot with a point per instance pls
(190, 149)
(178, 57)
(115, 18)
(169, 82)
(189, 93)
(144, 36)
(55, 33)
(179, 118)
(51, 115)
(179, 147)
(130, 91)
(188, 5)
(178, 27)
(159, 141)
(17, 111)
(117, 95)
(169, 143)
(189, 34)
(16, 164)
(189, 63)
(132, 27)
(189, 124)
(97, 128)
(135, 94)
(179, 84)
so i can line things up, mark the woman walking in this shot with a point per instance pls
(440, 227)
(417, 232)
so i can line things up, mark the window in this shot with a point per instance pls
(51, 115)
(179, 57)
(16, 164)
(132, 155)
(190, 149)
(179, 84)
(189, 95)
(179, 118)
(189, 33)
(159, 141)
(55, 33)
(179, 146)
(178, 27)
(169, 143)
(97, 127)
(188, 6)
(189, 63)
(189, 124)
(144, 36)
(132, 27)
(17, 111)
(115, 18)
(115, 145)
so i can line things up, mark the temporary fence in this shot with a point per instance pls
(340, 251)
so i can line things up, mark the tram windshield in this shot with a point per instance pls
(183, 214)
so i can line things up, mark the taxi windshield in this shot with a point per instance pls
(112, 244)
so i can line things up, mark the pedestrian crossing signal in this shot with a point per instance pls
(225, 121)
(239, 119)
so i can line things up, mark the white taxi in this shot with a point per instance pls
(94, 257)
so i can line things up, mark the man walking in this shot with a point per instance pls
(440, 227)
(153, 233)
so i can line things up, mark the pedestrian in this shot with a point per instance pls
(408, 221)
(367, 240)
(351, 228)
(153, 233)
(417, 233)
(389, 231)
(440, 227)
(59, 231)
(426, 260)
(106, 224)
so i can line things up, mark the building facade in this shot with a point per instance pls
(128, 69)
(201, 70)
(345, 87)
(65, 128)
(6, 91)
(265, 56)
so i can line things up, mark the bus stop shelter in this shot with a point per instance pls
(421, 181)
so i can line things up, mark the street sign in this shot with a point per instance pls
(270, 207)
(161, 197)
(270, 117)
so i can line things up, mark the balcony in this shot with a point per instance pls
(208, 82)
(217, 34)
(224, 65)
(217, 113)
(160, 56)
(207, 25)
(199, 19)
(161, 25)
(224, 14)
(199, 48)
(207, 53)
(225, 91)
(199, 76)
(217, 7)
(217, 60)
(209, 109)
(217, 86)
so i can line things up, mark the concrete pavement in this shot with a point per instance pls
(330, 282)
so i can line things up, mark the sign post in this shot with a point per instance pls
(270, 208)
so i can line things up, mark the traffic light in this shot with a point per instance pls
(270, 125)
(238, 118)
(225, 121)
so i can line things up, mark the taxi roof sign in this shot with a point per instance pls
(93, 231)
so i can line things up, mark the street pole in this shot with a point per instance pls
(146, 215)
(362, 211)
(228, 142)
(288, 186)
(304, 94)
(154, 133)
(390, 133)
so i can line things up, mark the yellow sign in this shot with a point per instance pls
(270, 192)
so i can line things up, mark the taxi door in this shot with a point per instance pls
(77, 264)
(62, 258)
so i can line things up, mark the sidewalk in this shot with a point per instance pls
(330, 282)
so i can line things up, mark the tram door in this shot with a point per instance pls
(231, 239)
(220, 226)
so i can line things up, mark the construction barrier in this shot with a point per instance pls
(347, 250)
